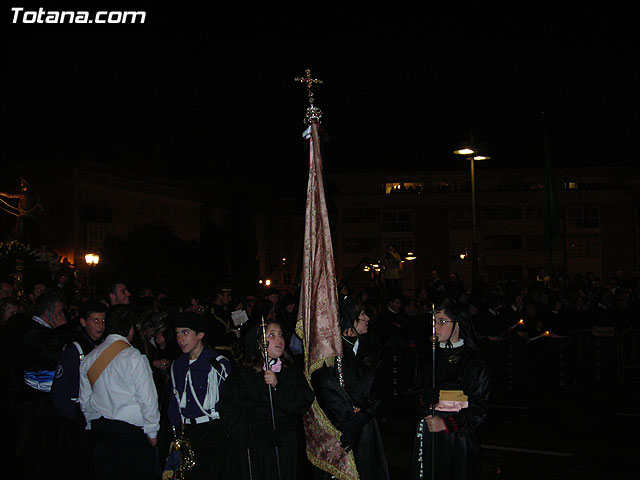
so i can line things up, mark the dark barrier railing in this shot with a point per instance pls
(629, 356)
(583, 356)
(518, 365)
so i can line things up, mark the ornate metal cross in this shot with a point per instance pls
(314, 114)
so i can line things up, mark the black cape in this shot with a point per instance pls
(246, 413)
(457, 452)
(33, 438)
(361, 389)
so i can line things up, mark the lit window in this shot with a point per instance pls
(391, 188)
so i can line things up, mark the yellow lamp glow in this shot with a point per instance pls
(92, 259)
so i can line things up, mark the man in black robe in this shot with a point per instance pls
(349, 393)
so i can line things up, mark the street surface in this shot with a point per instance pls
(578, 433)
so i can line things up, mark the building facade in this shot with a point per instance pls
(429, 215)
(85, 204)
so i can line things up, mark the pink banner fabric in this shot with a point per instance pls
(318, 323)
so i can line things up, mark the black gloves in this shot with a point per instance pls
(370, 408)
(351, 430)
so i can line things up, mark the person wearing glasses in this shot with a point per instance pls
(451, 412)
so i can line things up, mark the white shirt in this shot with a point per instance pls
(124, 390)
(457, 344)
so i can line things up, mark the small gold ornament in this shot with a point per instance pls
(454, 359)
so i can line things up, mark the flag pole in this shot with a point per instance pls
(318, 324)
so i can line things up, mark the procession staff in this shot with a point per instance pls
(271, 380)
(196, 378)
(434, 341)
(247, 412)
(453, 409)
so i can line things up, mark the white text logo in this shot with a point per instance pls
(43, 16)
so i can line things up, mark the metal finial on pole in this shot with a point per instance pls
(265, 343)
(314, 114)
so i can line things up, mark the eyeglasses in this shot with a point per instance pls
(442, 322)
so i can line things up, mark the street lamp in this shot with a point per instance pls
(471, 153)
(92, 260)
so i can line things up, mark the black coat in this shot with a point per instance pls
(457, 451)
(360, 430)
(33, 428)
(246, 414)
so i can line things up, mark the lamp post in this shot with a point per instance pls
(470, 152)
(92, 260)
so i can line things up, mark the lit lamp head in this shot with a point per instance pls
(410, 256)
(469, 151)
(464, 151)
(92, 259)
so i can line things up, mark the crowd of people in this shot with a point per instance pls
(102, 387)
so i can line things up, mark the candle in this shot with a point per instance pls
(519, 323)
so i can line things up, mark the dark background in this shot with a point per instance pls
(205, 91)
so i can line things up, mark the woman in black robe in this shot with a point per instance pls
(245, 410)
(349, 393)
(460, 397)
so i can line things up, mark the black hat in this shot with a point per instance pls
(349, 312)
(190, 320)
(460, 314)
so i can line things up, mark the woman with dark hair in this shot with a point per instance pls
(460, 400)
(257, 451)
(263, 309)
(349, 392)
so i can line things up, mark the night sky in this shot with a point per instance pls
(198, 92)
